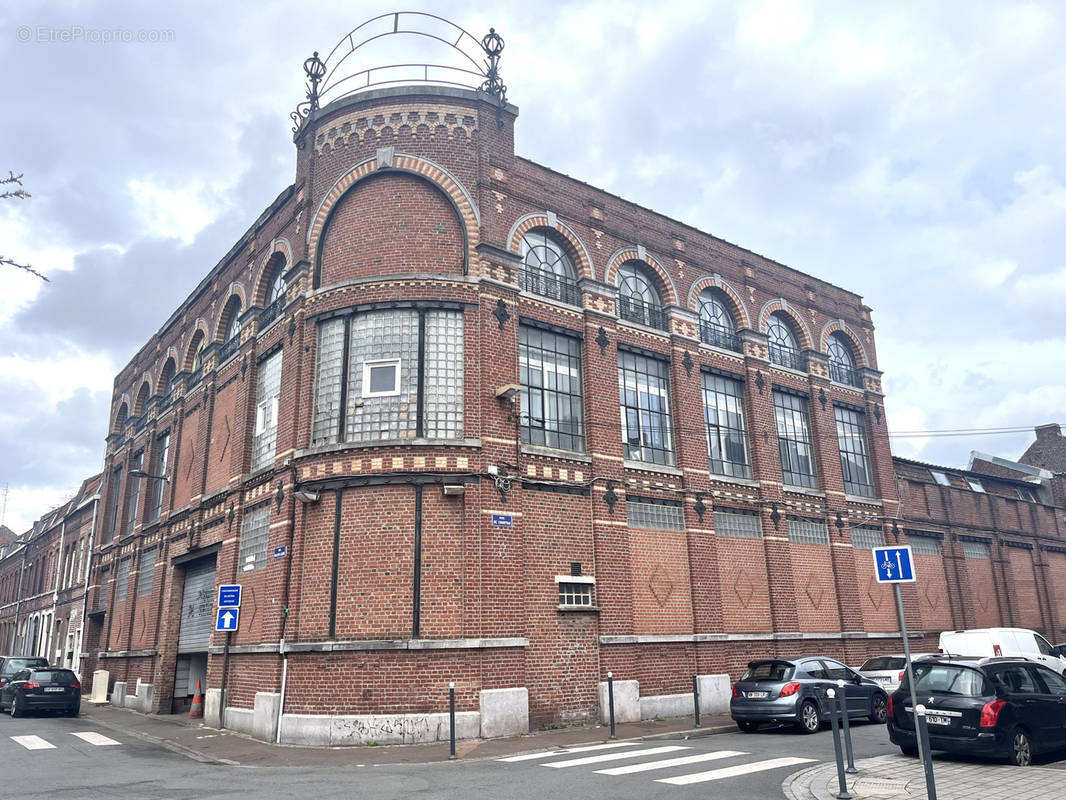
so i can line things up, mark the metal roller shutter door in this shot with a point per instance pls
(197, 607)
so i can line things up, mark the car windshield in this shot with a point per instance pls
(882, 663)
(948, 679)
(768, 671)
(64, 676)
(13, 665)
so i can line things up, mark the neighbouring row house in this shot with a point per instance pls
(43, 576)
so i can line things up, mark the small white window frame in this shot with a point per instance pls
(589, 581)
(383, 362)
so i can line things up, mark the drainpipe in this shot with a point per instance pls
(285, 611)
(85, 584)
(18, 599)
(55, 587)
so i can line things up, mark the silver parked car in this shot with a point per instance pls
(887, 671)
(794, 691)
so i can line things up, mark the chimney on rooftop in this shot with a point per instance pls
(1049, 431)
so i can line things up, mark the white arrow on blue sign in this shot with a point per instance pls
(894, 564)
(229, 596)
(227, 619)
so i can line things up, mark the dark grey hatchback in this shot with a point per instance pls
(45, 689)
(794, 691)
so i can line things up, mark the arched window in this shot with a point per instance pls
(274, 296)
(717, 325)
(120, 419)
(547, 268)
(277, 288)
(142, 399)
(231, 320)
(638, 299)
(784, 348)
(841, 360)
(194, 355)
(166, 377)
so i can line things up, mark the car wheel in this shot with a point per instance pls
(907, 750)
(1021, 749)
(879, 709)
(16, 707)
(73, 711)
(808, 717)
(747, 725)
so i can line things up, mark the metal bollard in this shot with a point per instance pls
(610, 700)
(451, 720)
(842, 779)
(927, 758)
(696, 697)
(846, 718)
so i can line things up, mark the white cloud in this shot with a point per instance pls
(171, 212)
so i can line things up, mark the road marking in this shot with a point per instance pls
(732, 772)
(670, 762)
(586, 749)
(97, 739)
(578, 762)
(33, 742)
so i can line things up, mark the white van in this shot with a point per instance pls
(1003, 642)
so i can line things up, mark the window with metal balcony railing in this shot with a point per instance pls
(271, 312)
(786, 357)
(548, 284)
(194, 377)
(166, 401)
(717, 336)
(642, 313)
(843, 374)
(229, 348)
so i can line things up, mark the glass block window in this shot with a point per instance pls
(267, 395)
(112, 502)
(122, 580)
(924, 545)
(133, 498)
(329, 368)
(867, 538)
(550, 372)
(644, 391)
(159, 467)
(976, 549)
(146, 573)
(727, 433)
(377, 336)
(794, 440)
(658, 515)
(738, 524)
(575, 594)
(854, 459)
(444, 375)
(255, 536)
(808, 531)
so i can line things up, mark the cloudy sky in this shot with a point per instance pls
(911, 152)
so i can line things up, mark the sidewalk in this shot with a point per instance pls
(898, 777)
(209, 745)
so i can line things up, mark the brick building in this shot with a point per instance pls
(43, 577)
(447, 414)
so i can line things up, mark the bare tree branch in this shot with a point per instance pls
(26, 267)
(16, 194)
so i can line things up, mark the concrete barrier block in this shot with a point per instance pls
(715, 693)
(213, 708)
(626, 702)
(145, 696)
(667, 706)
(239, 719)
(265, 715)
(101, 678)
(118, 694)
(366, 729)
(504, 712)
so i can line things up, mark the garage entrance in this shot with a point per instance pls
(194, 634)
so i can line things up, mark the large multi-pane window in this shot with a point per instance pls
(549, 364)
(133, 497)
(371, 384)
(255, 536)
(784, 348)
(159, 468)
(112, 502)
(122, 579)
(146, 573)
(794, 439)
(854, 459)
(643, 388)
(547, 269)
(727, 433)
(267, 395)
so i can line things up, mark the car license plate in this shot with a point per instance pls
(53, 688)
(934, 719)
(756, 695)
(884, 681)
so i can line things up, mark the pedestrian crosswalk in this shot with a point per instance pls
(89, 737)
(639, 754)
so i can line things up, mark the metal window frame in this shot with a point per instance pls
(146, 572)
(851, 428)
(797, 409)
(659, 454)
(549, 432)
(725, 387)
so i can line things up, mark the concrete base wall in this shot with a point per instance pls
(667, 705)
(213, 708)
(626, 702)
(334, 731)
(265, 715)
(504, 712)
(241, 720)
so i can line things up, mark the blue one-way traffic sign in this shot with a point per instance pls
(227, 619)
(229, 596)
(894, 564)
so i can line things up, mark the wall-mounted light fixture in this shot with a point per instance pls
(454, 490)
(140, 473)
(508, 391)
(306, 495)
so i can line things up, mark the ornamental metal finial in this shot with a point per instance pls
(316, 70)
(492, 44)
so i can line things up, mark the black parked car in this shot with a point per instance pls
(999, 707)
(794, 691)
(9, 665)
(44, 689)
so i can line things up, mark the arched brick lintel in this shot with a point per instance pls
(716, 282)
(632, 254)
(540, 220)
(780, 304)
(841, 327)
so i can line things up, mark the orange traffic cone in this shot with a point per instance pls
(197, 709)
